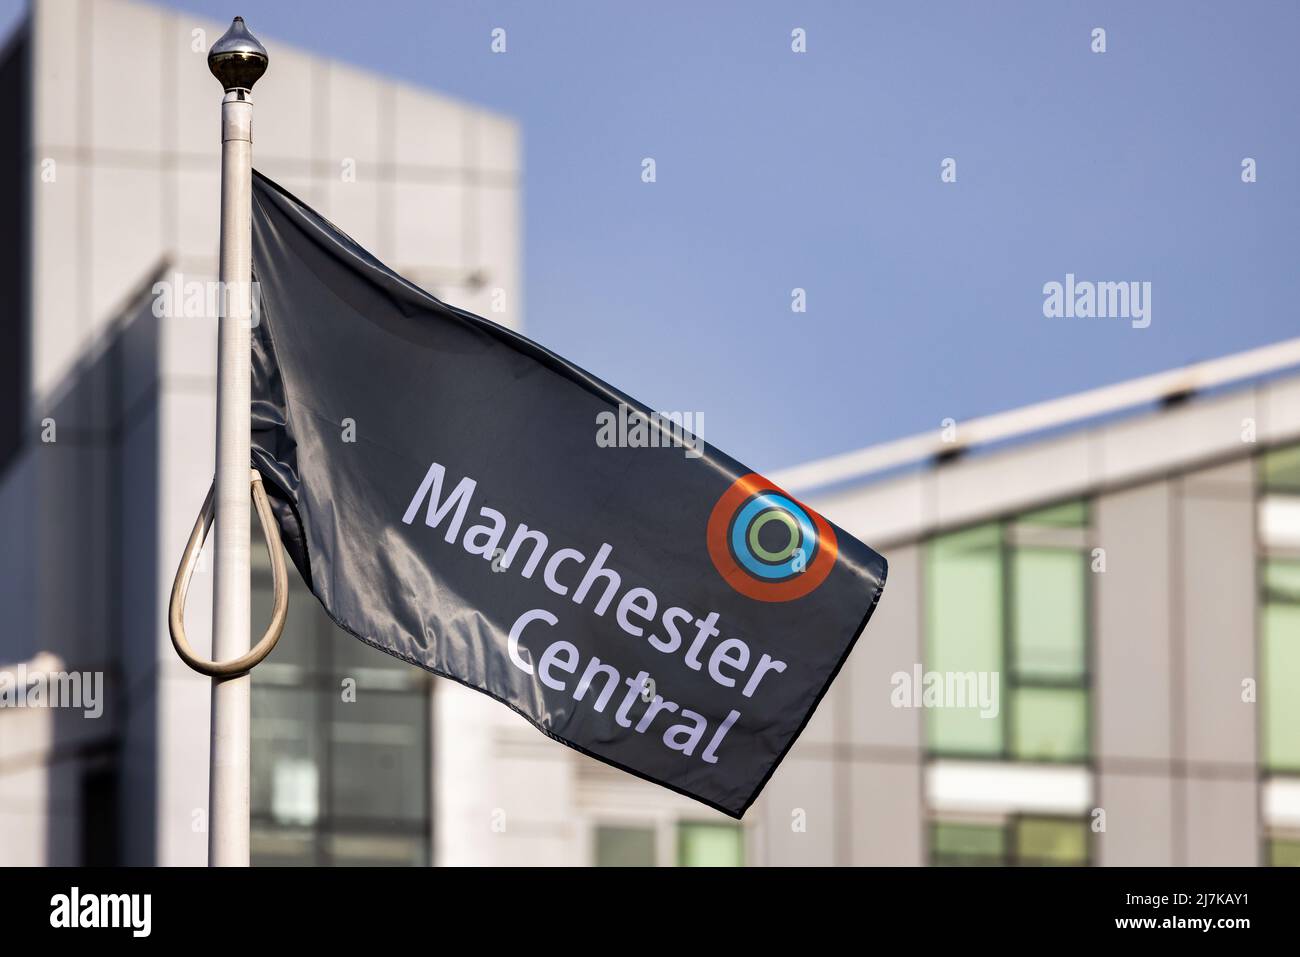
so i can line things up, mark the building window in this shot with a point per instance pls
(1049, 841)
(1021, 840)
(710, 845)
(1011, 599)
(683, 843)
(964, 633)
(1279, 695)
(625, 846)
(1284, 850)
(1280, 470)
(341, 745)
(1279, 532)
(1279, 648)
(967, 845)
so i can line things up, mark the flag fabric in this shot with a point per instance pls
(468, 501)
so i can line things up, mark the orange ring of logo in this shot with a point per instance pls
(741, 491)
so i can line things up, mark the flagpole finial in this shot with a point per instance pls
(238, 60)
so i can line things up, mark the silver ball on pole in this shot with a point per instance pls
(238, 60)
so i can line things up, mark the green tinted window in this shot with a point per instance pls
(1011, 598)
(1282, 581)
(1021, 840)
(1050, 617)
(1284, 852)
(964, 631)
(1045, 840)
(1280, 469)
(625, 847)
(952, 843)
(1049, 724)
(1280, 668)
(1066, 515)
(710, 845)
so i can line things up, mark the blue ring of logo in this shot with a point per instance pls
(739, 535)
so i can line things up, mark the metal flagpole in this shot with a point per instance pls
(237, 60)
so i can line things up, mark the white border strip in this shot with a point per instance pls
(1282, 802)
(986, 787)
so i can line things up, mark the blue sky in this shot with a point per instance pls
(822, 171)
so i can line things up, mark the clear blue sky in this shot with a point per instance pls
(821, 170)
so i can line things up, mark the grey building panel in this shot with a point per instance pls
(1218, 600)
(1132, 603)
(886, 826)
(1140, 828)
(892, 644)
(799, 813)
(1220, 828)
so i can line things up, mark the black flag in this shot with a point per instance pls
(465, 500)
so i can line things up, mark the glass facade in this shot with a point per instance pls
(1279, 635)
(1283, 852)
(710, 845)
(1048, 841)
(625, 847)
(1280, 666)
(1018, 841)
(695, 844)
(341, 745)
(1011, 599)
(964, 599)
(954, 844)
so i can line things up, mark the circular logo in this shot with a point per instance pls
(766, 545)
